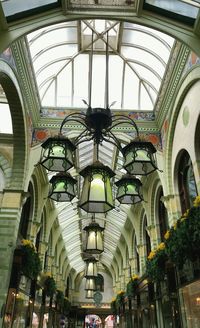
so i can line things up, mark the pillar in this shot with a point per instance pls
(10, 213)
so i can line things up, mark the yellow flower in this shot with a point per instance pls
(134, 277)
(196, 202)
(167, 235)
(113, 299)
(120, 292)
(183, 218)
(151, 255)
(161, 246)
(29, 243)
(175, 225)
(185, 215)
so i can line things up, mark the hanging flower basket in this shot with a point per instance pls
(59, 298)
(30, 265)
(113, 306)
(132, 285)
(50, 286)
(66, 306)
(155, 265)
(120, 298)
(183, 239)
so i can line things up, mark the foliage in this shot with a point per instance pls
(120, 298)
(155, 266)
(59, 298)
(66, 306)
(113, 306)
(30, 264)
(50, 286)
(183, 239)
(131, 287)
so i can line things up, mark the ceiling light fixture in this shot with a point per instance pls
(98, 125)
(94, 238)
(91, 267)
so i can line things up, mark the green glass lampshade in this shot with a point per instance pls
(62, 187)
(94, 238)
(96, 196)
(57, 154)
(139, 158)
(90, 284)
(129, 190)
(91, 268)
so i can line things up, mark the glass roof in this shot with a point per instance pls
(181, 8)
(22, 8)
(66, 71)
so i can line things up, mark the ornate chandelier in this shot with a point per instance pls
(98, 125)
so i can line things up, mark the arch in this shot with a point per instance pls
(11, 88)
(136, 254)
(184, 86)
(196, 140)
(185, 180)
(27, 214)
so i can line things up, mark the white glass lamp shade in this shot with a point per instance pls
(91, 268)
(139, 158)
(129, 190)
(96, 196)
(89, 294)
(57, 154)
(62, 187)
(90, 284)
(94, 238)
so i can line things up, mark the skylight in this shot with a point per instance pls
(138, 58)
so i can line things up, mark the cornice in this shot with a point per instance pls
(26, 79)
(54, 124)
(170, 83)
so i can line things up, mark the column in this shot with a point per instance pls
(10, 213)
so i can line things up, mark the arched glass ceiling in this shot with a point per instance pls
(138, 58)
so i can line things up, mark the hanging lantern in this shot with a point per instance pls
(139, 158)
(94, 238)
(96, 196)
(129, 190)
(90, 284)
(89, 294)
(57, 154)
(91, 268)
(62, 187)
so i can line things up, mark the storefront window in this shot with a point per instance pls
(190, 304)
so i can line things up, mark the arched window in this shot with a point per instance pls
(162, 215)
(186, 182)
(99, 283)
(38, 238)
(147, 240)
(26, 213)
(67, 288)
(136, 254)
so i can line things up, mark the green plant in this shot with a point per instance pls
(59, 298)
(131, 287)
(155, 265)
(113, 306)
(120, 298)
(66, 306)
(30, 261)
(183, 238)
(50, 286)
